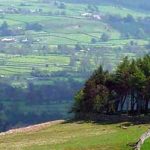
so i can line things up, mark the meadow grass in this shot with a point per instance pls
(146, 145)
(75, 136)
(13, 65)
(72, 22)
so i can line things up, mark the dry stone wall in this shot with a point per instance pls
(144, 137)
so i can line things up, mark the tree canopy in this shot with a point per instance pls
(127, 90)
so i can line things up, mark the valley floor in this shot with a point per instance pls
(73, 136)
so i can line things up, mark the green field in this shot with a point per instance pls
(72, 22)
(75, 136)
(69, 28)
(23, 64)
(146, 145)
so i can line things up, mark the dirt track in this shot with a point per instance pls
(32, 127)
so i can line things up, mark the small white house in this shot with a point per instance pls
(97, 17)
(86, 14)
(8, 40)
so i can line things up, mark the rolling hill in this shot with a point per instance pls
(48, 49)
(61, 135)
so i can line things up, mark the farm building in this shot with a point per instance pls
(8, 40)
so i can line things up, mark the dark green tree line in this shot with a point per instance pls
(127, 90)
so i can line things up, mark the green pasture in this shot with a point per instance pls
(146, 145)
(76, 135)
(69, 29)
(14, 65)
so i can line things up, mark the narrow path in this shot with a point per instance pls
(32, 128)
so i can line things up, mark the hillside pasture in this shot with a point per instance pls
(71, 136)
(15, 65)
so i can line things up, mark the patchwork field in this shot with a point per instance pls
(67, 26)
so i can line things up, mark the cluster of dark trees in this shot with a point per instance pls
(15, 102)
(12, 115)
(140, 4)
(56, 91)
(127, 90)
(129, 26)
(103, 38)
(34, 26)
(4, 29)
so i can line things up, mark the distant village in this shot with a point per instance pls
(19, 30)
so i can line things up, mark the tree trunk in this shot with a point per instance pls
(122, 103)
(146, 106)
(132, 102)
(139, 105)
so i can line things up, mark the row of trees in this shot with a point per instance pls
(104, 38)
(127, 90)
(23, 105)
(144, 4)
(4, 29)
(129, 26)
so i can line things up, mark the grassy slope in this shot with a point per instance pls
(69, 29)
(23, 65)
(75, 136)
